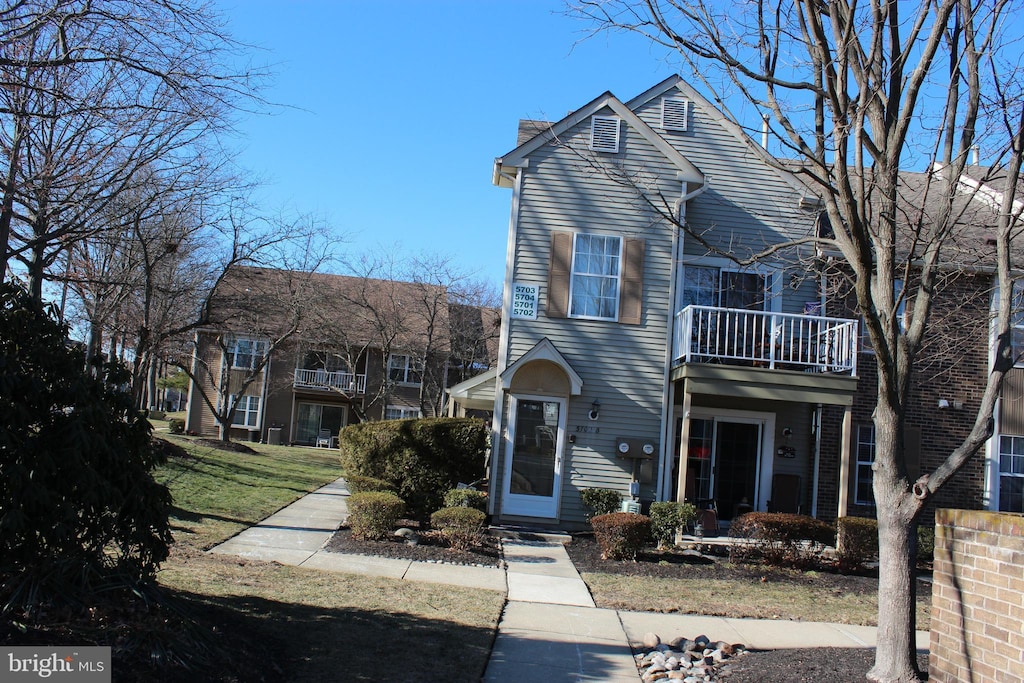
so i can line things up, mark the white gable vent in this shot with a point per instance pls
(673, 113)
(604, 134)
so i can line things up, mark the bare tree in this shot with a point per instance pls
(95, 95)
(858, 94)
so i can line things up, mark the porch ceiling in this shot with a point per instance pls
(771, 385)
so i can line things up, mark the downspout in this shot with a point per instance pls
(263, 400)
(816, 426)
(497, 434)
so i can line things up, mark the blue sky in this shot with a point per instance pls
(396, 111)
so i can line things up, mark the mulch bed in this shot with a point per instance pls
(809, 665)
(429, 549)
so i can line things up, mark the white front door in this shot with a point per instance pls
(533, 462)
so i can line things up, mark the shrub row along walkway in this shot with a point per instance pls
(550, 628)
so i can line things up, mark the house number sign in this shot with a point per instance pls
(524, 301)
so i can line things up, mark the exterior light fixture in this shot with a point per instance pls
(595, 409)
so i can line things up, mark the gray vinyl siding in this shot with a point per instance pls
(621, 365)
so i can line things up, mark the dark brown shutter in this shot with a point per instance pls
(558, 275)
(631, 299)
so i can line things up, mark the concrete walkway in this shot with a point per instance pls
(550, 629)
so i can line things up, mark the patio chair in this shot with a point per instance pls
(323, 439)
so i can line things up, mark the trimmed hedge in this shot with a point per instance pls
(420, 458)
(460, 527)
(621, 535)
(667, 517)
(601, 501)
(466, 498)
(176, 425)
(781, 539)
(856, 541)
(373, 515)
(360, 484)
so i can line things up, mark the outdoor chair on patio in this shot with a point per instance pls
(323, 439)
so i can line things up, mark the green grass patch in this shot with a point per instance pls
(742, 598)
(217, 493)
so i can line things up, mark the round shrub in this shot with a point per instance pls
(466, 498)
(780, 538)
(373, 515)
(667, 517)
(621, 535)
(176, 425)
(601, 501)
(460, 527)
(856, 541)
(359, 484)
(420, 458)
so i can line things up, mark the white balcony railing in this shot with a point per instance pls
(705, 334)
(325, 379)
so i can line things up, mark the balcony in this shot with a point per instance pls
(759, 339)
(345, 382)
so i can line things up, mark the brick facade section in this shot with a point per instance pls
(953, 366)
(977, 598)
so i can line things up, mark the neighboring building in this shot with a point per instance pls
(632, 357)
(362, 349)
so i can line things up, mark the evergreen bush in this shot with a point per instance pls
(621, 535)
(856, 541)
(373, 515)
(460, 527)
(359, 484)
(176, 425)
(80, 509)
(667, 518)
(601, 501)
(420, 458)
(466, 498)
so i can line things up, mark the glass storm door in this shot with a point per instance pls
(737, 454)
(533, 465)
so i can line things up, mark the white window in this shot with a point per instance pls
(1011, 473)
(604, 134)
(405, 369)
(400, 413)
(1017, 321)
(247, 411)
(673, 113)
(596, 277)
(708, 286)
(863, 491)
(247, 353)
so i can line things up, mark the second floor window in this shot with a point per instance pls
(400, 413)
(405, 369)
(1017, 322)
(247, 353)
(708, 286)
(596, 270)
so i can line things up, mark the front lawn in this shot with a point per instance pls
(294, 624)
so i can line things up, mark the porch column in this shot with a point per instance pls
(684, 445)
(844, 462)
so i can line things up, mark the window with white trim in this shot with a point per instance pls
(604, 134)
(400, 413)
(864, 476)
(247, 411)
(596, 276)
(1017, 322)
(247, 353)
(404, 369)
(1011, 473)
(710, 286)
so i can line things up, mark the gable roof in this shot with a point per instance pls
(510, 163)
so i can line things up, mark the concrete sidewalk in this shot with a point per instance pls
(550, 628)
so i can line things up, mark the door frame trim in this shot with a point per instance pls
(521, 505)
(766, 459)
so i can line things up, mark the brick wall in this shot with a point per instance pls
(977, 598)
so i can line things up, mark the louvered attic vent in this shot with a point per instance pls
(673, 113)
(604, 134)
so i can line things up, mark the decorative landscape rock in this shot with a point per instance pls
(692, 661)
